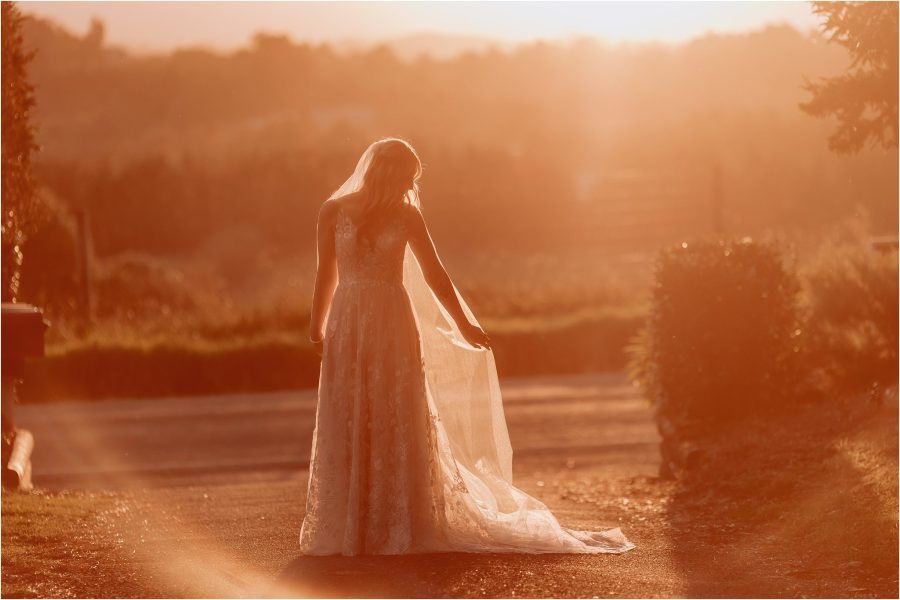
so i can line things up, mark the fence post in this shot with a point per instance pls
(84, 258)
(718, 200)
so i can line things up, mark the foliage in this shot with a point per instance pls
(721, 337)
(269, 352)
(182, 141)
(94, 372)
(205, 171)
(864, 99)
(21, 209)
(850, 294)
(731, 328)
(50, 276)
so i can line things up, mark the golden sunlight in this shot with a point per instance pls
(450, 299)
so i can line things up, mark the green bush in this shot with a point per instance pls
(721, 339)
(850, 294)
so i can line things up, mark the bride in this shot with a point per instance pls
(410, 451)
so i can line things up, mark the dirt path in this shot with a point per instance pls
(209, 494)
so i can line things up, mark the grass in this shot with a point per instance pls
(56, 543)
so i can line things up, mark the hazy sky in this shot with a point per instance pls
(163, 25)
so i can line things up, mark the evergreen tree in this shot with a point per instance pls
(20, 205)
(864, 99)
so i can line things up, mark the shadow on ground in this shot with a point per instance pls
(445, 575)
(801, 506)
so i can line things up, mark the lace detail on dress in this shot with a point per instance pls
(362, 260)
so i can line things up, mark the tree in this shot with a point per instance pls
(20, 204)
(864, 99)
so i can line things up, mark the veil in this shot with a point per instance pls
(485, 512)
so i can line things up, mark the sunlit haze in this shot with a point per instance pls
(151, 26)
(449, 299)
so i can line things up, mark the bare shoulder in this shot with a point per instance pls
(328, 214)
(329, 209)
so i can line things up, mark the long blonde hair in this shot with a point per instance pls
(391, 179)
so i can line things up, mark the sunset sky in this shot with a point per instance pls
(150, 26)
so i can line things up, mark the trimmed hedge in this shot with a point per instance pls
(721, 340)
(106, 371)
(95, 372)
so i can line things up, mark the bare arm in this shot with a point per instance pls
(326, 272)
(438, 280)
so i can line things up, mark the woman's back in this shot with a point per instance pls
(368, 250)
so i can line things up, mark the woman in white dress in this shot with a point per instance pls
(410, 452)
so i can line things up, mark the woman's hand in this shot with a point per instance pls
(317, 339)
(475, 335)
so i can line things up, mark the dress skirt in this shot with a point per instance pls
(374, 485)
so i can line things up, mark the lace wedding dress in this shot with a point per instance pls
(410, 451)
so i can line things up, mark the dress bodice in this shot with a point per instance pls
(369, 257)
